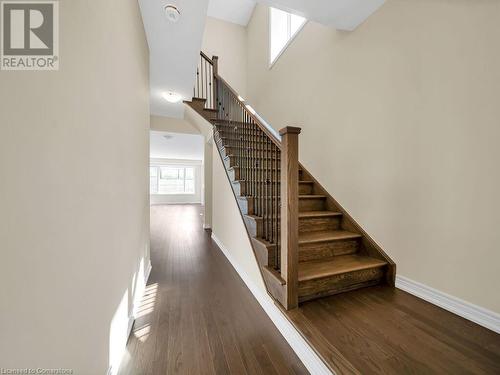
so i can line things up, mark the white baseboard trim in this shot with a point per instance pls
(147, 273)
(467, 310)
(303, 350)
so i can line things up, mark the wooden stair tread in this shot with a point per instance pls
(305, 214)
(323, 236)
(305, 196)
(337, 265)
(309, 214)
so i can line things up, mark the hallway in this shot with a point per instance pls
(197, 316)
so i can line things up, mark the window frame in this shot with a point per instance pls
(176, 166)
(292, 37)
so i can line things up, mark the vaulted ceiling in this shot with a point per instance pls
(174, 47)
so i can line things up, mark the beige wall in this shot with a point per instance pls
(205, 128)
(228, 41)
(74, 208)
(400, 123)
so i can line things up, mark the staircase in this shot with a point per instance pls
(306, 244)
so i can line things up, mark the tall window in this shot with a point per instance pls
(171, 180)
(282, 29)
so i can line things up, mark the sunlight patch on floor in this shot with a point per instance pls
(148, 301)
(142, 333)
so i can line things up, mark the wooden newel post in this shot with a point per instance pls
(290, 214)
(215, 68)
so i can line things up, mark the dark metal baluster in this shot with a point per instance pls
(278, 210)
(201, 78)
(210, 86)
(269, 188)
(252, 157)
(266, 188)
(198, 78)
(257, 171)
(273, 192)
(263, 178)
(245, 151)
(206, 84)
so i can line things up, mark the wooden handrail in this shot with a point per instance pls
(262, 127)
(204, 87)
(214, 62)
(206, 57)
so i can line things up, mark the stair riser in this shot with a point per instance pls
(305, 189)
(234, 174)
(339, 283)
(325, 250)
(304, 205)
(265, 254)
(240, 187)
(311, 204)
(314, 224)
(256, 228)
(320, 224)
(246, 205)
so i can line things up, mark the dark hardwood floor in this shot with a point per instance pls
(197, 316)
(382, 330)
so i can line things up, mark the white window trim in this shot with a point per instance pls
(271, 64)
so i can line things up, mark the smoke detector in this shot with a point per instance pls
(172, 13)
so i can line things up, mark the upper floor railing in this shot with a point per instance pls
(204, 86)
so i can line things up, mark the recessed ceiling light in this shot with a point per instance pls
(172, 97)
(173, 14)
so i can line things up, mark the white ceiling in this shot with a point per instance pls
(235, 11)
(179, 146)
(174, 50)
(341, 14)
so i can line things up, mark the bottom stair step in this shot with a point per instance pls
(338, 274)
